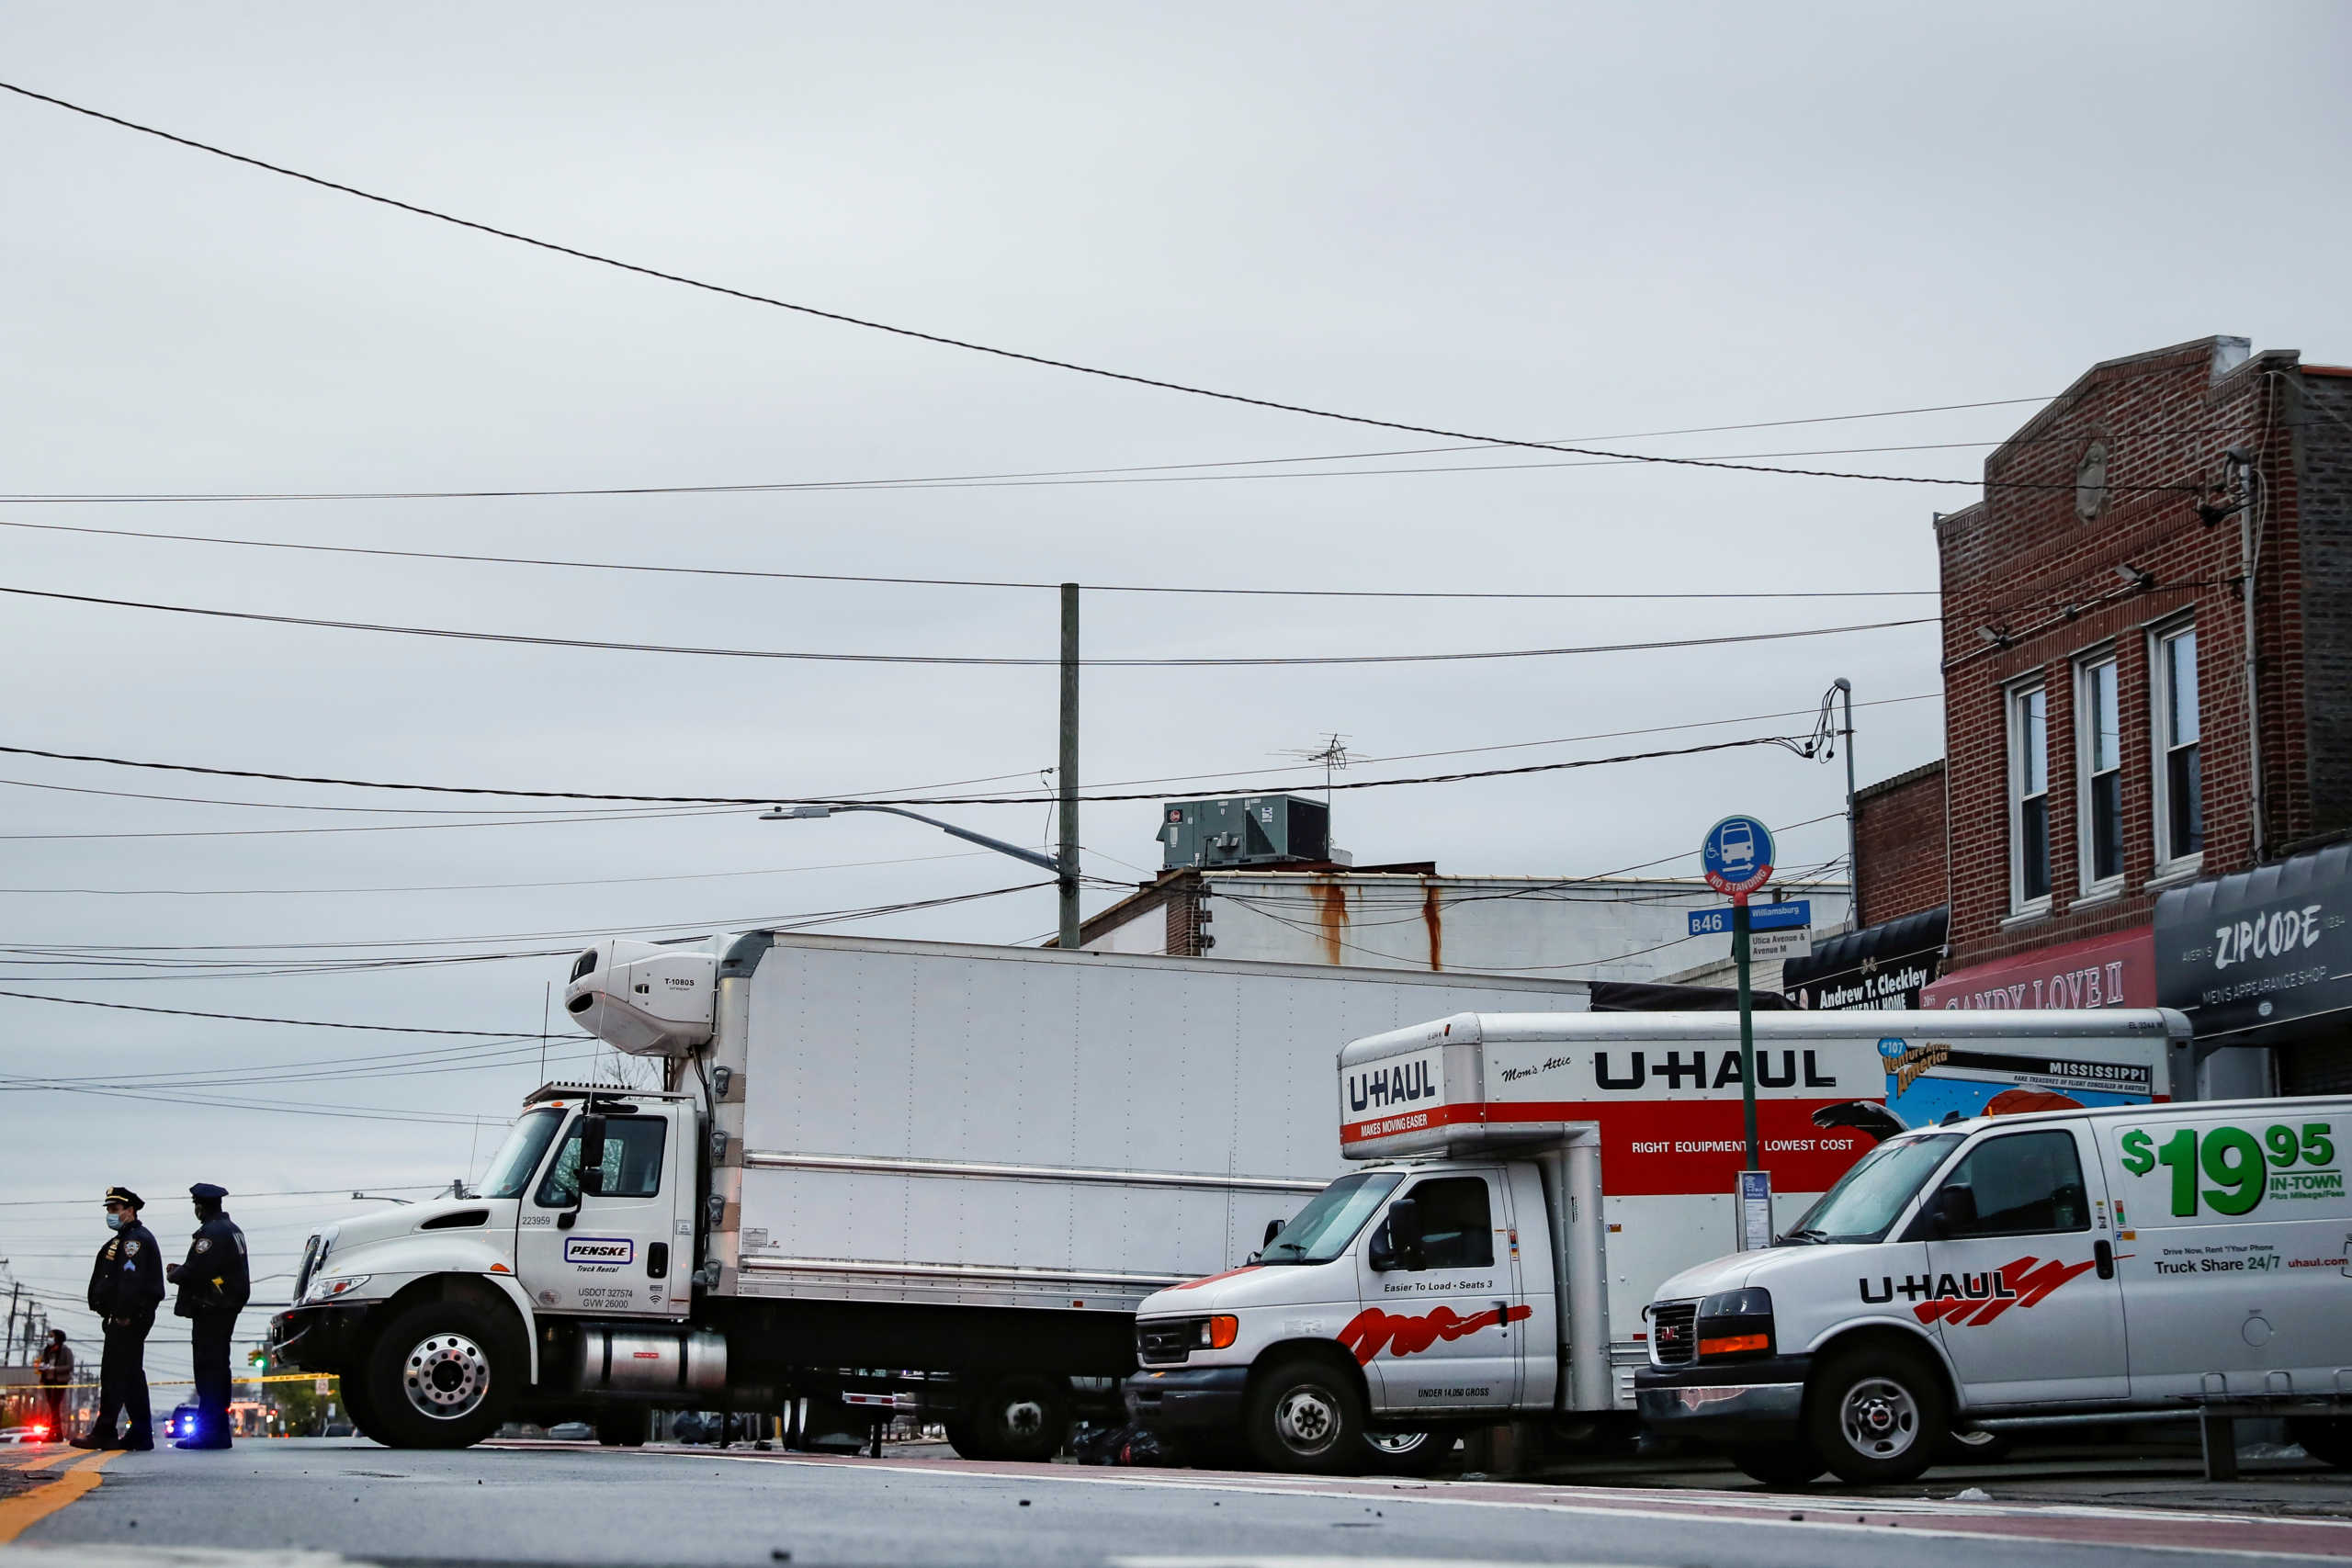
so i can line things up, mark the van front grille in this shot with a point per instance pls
(1674, 1334)
(1158, 1344)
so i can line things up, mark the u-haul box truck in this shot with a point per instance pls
(2003, 1272)
(1528, 1179)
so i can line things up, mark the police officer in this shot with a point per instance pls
(126, 1285)
(56, 1364)
(214, 1285)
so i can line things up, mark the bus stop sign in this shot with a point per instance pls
(1736, 856)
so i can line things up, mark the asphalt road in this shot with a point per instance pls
(562, 1504)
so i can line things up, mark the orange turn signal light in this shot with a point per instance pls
(1223, 1329)
(1733, 1345)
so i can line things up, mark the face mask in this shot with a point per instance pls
(114, 1222)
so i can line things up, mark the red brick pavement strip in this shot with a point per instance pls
(2074, 1524)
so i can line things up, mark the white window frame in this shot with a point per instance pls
(2014, 740)
(2169, 866)
(2087, 668)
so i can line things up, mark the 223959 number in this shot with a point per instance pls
(2236, 1162)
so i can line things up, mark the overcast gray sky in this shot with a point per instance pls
(1540, 221)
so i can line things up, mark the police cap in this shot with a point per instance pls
(126, 1197)
(205, 1192)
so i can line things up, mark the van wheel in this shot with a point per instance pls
(441, 1375)
(1306, 1415)
(1877, 1414)
(1024, 1417)
(1973, 1445)
(2327, 1438)
(624, 1426)
(1779, 1466)
(1407, 1451)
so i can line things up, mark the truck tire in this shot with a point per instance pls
(1407, 1451)
(1306, 1415)
(1779, 1466)
(1877, 1412)
(624, 1426)
(2327, 1438)
(441, 1375)
(1023, 1416)
(352, 1385)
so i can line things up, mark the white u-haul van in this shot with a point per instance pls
(1530, 1178)
(2010, 1271)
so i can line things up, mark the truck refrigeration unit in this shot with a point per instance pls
(962, 1166)
(1529, 1180)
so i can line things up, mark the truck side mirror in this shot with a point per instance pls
(1273, 1229)
(1405, 1233)
(592, 1155)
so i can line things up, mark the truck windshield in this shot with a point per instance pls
(1867, 1198)
(511, 1169)
(1322, 1230)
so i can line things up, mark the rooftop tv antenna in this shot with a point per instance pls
(1332, 756)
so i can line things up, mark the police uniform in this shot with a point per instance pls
(214, 1285)
(126, 1286)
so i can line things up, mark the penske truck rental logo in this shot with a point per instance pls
(1973, 1300)
(606, 1249)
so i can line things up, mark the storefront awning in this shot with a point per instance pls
(2252, 954)
(2114, 971)
(1881, 966)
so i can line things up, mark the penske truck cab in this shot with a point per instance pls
(1997, 1273)
(1525, 1182)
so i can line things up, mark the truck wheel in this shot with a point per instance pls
(624, 1426)
(1024, 1417)
(1779, 1466)
(1407, 1451)
(2327, 1438)
(352, 1386)
(1877, 1414)
(441, 1375)
(1306, 1415)
(1973, 1445)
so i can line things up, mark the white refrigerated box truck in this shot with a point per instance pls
(909, 1176)
(1530, 1180)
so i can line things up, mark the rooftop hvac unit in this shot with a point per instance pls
(1250, 829)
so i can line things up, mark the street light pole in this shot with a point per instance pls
(1845, 688)
(1066, 872)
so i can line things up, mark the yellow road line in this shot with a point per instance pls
(26, 1509)
(57, 1458)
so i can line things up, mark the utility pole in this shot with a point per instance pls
(9, 1341)
(1845, 688)
(1066, 862)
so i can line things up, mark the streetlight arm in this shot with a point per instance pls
(1046, 863)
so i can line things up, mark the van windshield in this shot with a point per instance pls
(1322, 1230)
(1867, 1198)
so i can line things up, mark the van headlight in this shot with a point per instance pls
(1736, 1323)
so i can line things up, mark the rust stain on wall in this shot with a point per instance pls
(1436, 923)
(1331, 899)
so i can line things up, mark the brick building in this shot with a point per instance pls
(1899, 845)
(2107, 748)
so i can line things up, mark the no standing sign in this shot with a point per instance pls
(1736, 856)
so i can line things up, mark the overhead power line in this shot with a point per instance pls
(250, 1018)
(721, 801)
(972, 660)
(943, 581)
(1017, 356)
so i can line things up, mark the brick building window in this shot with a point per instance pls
(2100, 749)
(2028, 799)
(2180, 775)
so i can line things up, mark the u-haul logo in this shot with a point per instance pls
(1394, 1085)
(599, 1249)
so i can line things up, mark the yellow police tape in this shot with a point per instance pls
(178, 1382)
